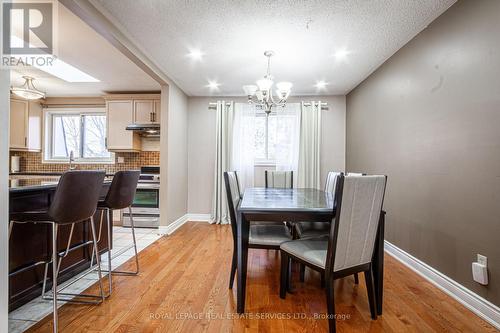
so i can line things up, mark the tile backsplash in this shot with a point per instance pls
(32, 162)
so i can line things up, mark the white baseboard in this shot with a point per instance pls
(477, 304)
(199, 217)
(172, 227)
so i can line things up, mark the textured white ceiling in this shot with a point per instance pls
(233, 34)
(80, 46)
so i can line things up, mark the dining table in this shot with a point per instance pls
(293, 205)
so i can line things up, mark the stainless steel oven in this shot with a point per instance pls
(146, 205)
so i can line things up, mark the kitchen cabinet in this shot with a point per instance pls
(144, 111)
(119, 115)
(25, 125)
(126, 109)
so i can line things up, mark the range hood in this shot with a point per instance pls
(146, 130)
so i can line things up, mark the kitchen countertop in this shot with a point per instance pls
(44, 173)
(25, 183)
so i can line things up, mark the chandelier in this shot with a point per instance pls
(27, 90)
(261, 95)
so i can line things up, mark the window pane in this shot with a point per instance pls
(66, 136)
(271, 132)
(94, 137)
(260, 138)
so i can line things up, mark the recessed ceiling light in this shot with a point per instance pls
(321, 84)
(195, 54)
(341, 54)
(213, 85)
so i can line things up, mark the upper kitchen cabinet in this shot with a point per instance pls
(25, 125)
(128, 109)
(120, 113)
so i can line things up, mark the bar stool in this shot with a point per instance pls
(120, 196)
(75, 201)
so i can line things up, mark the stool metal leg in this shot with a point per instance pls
(98, 260)
(96, 299)
(116, 272)
(54, 276)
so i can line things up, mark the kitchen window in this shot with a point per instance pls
(82, 132)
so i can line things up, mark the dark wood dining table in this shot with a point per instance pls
(292, 205)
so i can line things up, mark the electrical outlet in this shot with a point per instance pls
(482, 260)
(121, 159)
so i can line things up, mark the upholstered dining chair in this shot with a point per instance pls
(261, 236)
(350, 245)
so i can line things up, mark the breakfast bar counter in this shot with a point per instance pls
(30, 243)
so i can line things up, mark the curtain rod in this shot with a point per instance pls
(213, 105)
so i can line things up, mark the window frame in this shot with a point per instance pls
(49, 139)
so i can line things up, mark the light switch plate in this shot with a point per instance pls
(121, 159)
(482, 260)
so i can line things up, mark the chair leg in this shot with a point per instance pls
(97, 259)
(323, 280)
(302, 272)
(356, 278)
(234, 262)
(370, 288)
(284, 278)
(289, 280)
(54, 277)
(110, 276)
(330, 305)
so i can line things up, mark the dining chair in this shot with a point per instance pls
(278, 179)
(319, 229)
(349, 247)
(261, 236)
(74, 201)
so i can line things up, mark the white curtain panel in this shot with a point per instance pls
(223, 152)
(243, 154)
(310, 146)
(288, 138)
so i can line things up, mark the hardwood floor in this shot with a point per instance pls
(185, 276)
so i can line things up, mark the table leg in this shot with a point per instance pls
(378, 264)
(243, 232)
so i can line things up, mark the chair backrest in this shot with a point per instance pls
(122, 190)
(76, 196)
(233, 197)
(279, 179)
(331, 181)
(355, 174)
(359, 201)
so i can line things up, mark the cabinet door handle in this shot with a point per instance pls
(154, 117)
(26, 141)
(106, 143)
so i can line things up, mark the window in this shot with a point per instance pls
(265, 138)
(77, 131)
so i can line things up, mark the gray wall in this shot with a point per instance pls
(201, 145)
(429, 118)
(174, 157)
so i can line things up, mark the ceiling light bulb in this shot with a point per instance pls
(196, 55)
(321, 84)
(341, 54)
(213, 85)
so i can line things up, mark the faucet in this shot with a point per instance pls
(71, 161)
